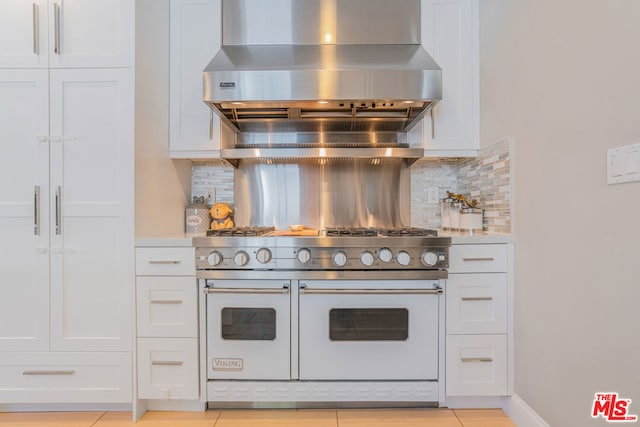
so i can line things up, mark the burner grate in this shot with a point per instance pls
(406, 231)
(355, 232)
(240, 231)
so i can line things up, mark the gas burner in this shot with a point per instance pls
(240, 231)
(406, 231)
(355, 232)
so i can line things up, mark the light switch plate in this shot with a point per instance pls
(623, 164)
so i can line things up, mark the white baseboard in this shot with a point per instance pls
(176, 405)
(64, 407)
(521, 413)
(475, 402)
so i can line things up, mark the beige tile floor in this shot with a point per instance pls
(268, 418)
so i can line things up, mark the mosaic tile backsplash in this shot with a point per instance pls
(486, 178)
(212, 180)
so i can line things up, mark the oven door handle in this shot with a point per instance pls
(435, 291)
(254, 291)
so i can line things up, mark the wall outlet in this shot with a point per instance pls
(433, 195)
(211, 196)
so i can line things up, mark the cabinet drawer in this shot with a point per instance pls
(477, 303)
(478, 259)
(165, 262)
(476, 365)
(65, 377)
(167, 306)
(168, 368)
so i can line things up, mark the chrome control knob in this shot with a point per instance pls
(403, 258)
(339, 258)
(367, 258)
(304, 255)
(385, 254)
(429, 258)
(241, 258)
(263, 255)
(215, 258)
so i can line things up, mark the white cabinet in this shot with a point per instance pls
(476, 365)
(478, 259)
(194, 131)
(450, 33)
(86, 377)
(24, 31)
(67, 226)
(167, 307)
(24, 178)
(477, 321)
(91, 201)
(66, 210)
(477, 303)
(168, 368)
(66, 33)
(165, 262)
(167, 323)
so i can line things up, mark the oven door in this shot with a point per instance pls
(369, 330)
(248, 329)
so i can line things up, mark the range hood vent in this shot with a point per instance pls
(321, 67)
(322, 116)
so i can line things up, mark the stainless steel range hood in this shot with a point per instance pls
(312, 78)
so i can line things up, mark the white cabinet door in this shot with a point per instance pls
(450, 35)
(167, 306)
(168, 368)
(24, 170)
(477, 303)
(87, 377)
(91, 33)
(23, 34)
(476, 365)
(92, 261)
(195, 38)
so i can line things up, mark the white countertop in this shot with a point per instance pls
(457, 238)
(167, 240)
(461, 238)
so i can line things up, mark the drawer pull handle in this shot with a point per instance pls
(476, 298)
(476, 359)
(305, 291)
(166, 301)
(164, 261)
(36, 28)
(49, 372)
(167, 362)
(479, 259)
(245, 291)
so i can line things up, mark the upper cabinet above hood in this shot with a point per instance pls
(320, 66)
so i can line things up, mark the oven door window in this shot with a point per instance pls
(249, 324)
(368, 324)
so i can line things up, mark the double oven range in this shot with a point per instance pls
(349, 317)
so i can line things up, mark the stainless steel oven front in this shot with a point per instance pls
(308, 330)
(248, 329)
(368, 329)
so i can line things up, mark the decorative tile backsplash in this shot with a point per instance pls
(486, 178)
(430, 180)
(212, 179)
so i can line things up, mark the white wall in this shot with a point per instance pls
(563, 78)
(162, 185)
